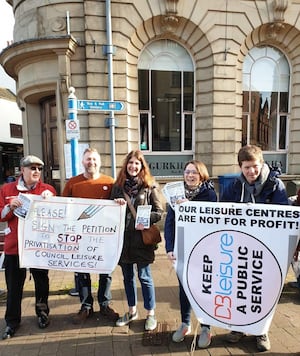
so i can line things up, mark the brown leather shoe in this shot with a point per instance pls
(82, 315)
(263, 343)
(109, 313)
(234, 336)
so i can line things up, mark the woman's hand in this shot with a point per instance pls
(140, 227)
(120, 201)
(179, 201)
(171, 256)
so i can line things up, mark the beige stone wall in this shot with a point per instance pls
(217, 34)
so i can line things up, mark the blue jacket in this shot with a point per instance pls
(206, 193)
(272, 191)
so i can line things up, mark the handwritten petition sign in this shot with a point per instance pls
(72, 234)
(232, 260)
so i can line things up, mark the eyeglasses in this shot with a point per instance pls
(33, 168)
(191, 172)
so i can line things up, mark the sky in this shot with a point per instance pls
(6, 34)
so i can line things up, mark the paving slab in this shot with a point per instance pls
(98, 336)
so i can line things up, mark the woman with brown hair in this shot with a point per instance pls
(136, 184)
(198, 187)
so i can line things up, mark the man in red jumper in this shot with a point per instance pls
(29, 182)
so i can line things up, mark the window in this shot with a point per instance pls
(16, 131)
(266, 80)
(166, 98)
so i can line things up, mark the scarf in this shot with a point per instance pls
(251, 191)
(191, 193)
(132, 186)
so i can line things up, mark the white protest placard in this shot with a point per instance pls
(232, 260)
(72, 234)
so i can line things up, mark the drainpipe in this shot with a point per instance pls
(110, 122)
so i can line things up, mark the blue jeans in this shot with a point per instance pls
(145, 278)
(185, 306)
(104, 292)
(85, 290)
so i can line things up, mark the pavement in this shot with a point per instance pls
(98, 336)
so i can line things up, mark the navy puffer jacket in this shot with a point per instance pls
(272, 191)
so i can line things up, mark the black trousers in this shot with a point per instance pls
(15, 279)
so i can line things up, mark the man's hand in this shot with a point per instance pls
(46, 194)
(15, 203)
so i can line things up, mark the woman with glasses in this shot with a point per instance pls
(198, 187)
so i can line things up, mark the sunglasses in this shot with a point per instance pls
(33, 168)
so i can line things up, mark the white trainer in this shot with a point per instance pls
(181, 332)
(204, 338)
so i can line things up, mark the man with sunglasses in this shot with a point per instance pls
(29, 182)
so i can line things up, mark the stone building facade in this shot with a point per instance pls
(197, 79)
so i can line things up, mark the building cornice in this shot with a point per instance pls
(13, 57)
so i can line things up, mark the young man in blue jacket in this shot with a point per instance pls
(256, 184)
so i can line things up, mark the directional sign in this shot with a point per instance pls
(96, 105)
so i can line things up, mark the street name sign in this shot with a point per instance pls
(96, 105)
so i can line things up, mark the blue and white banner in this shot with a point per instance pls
(72, 234)
(232, 260)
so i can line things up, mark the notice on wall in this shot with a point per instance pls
(232, 260)
(68, 158)
(72, 234)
